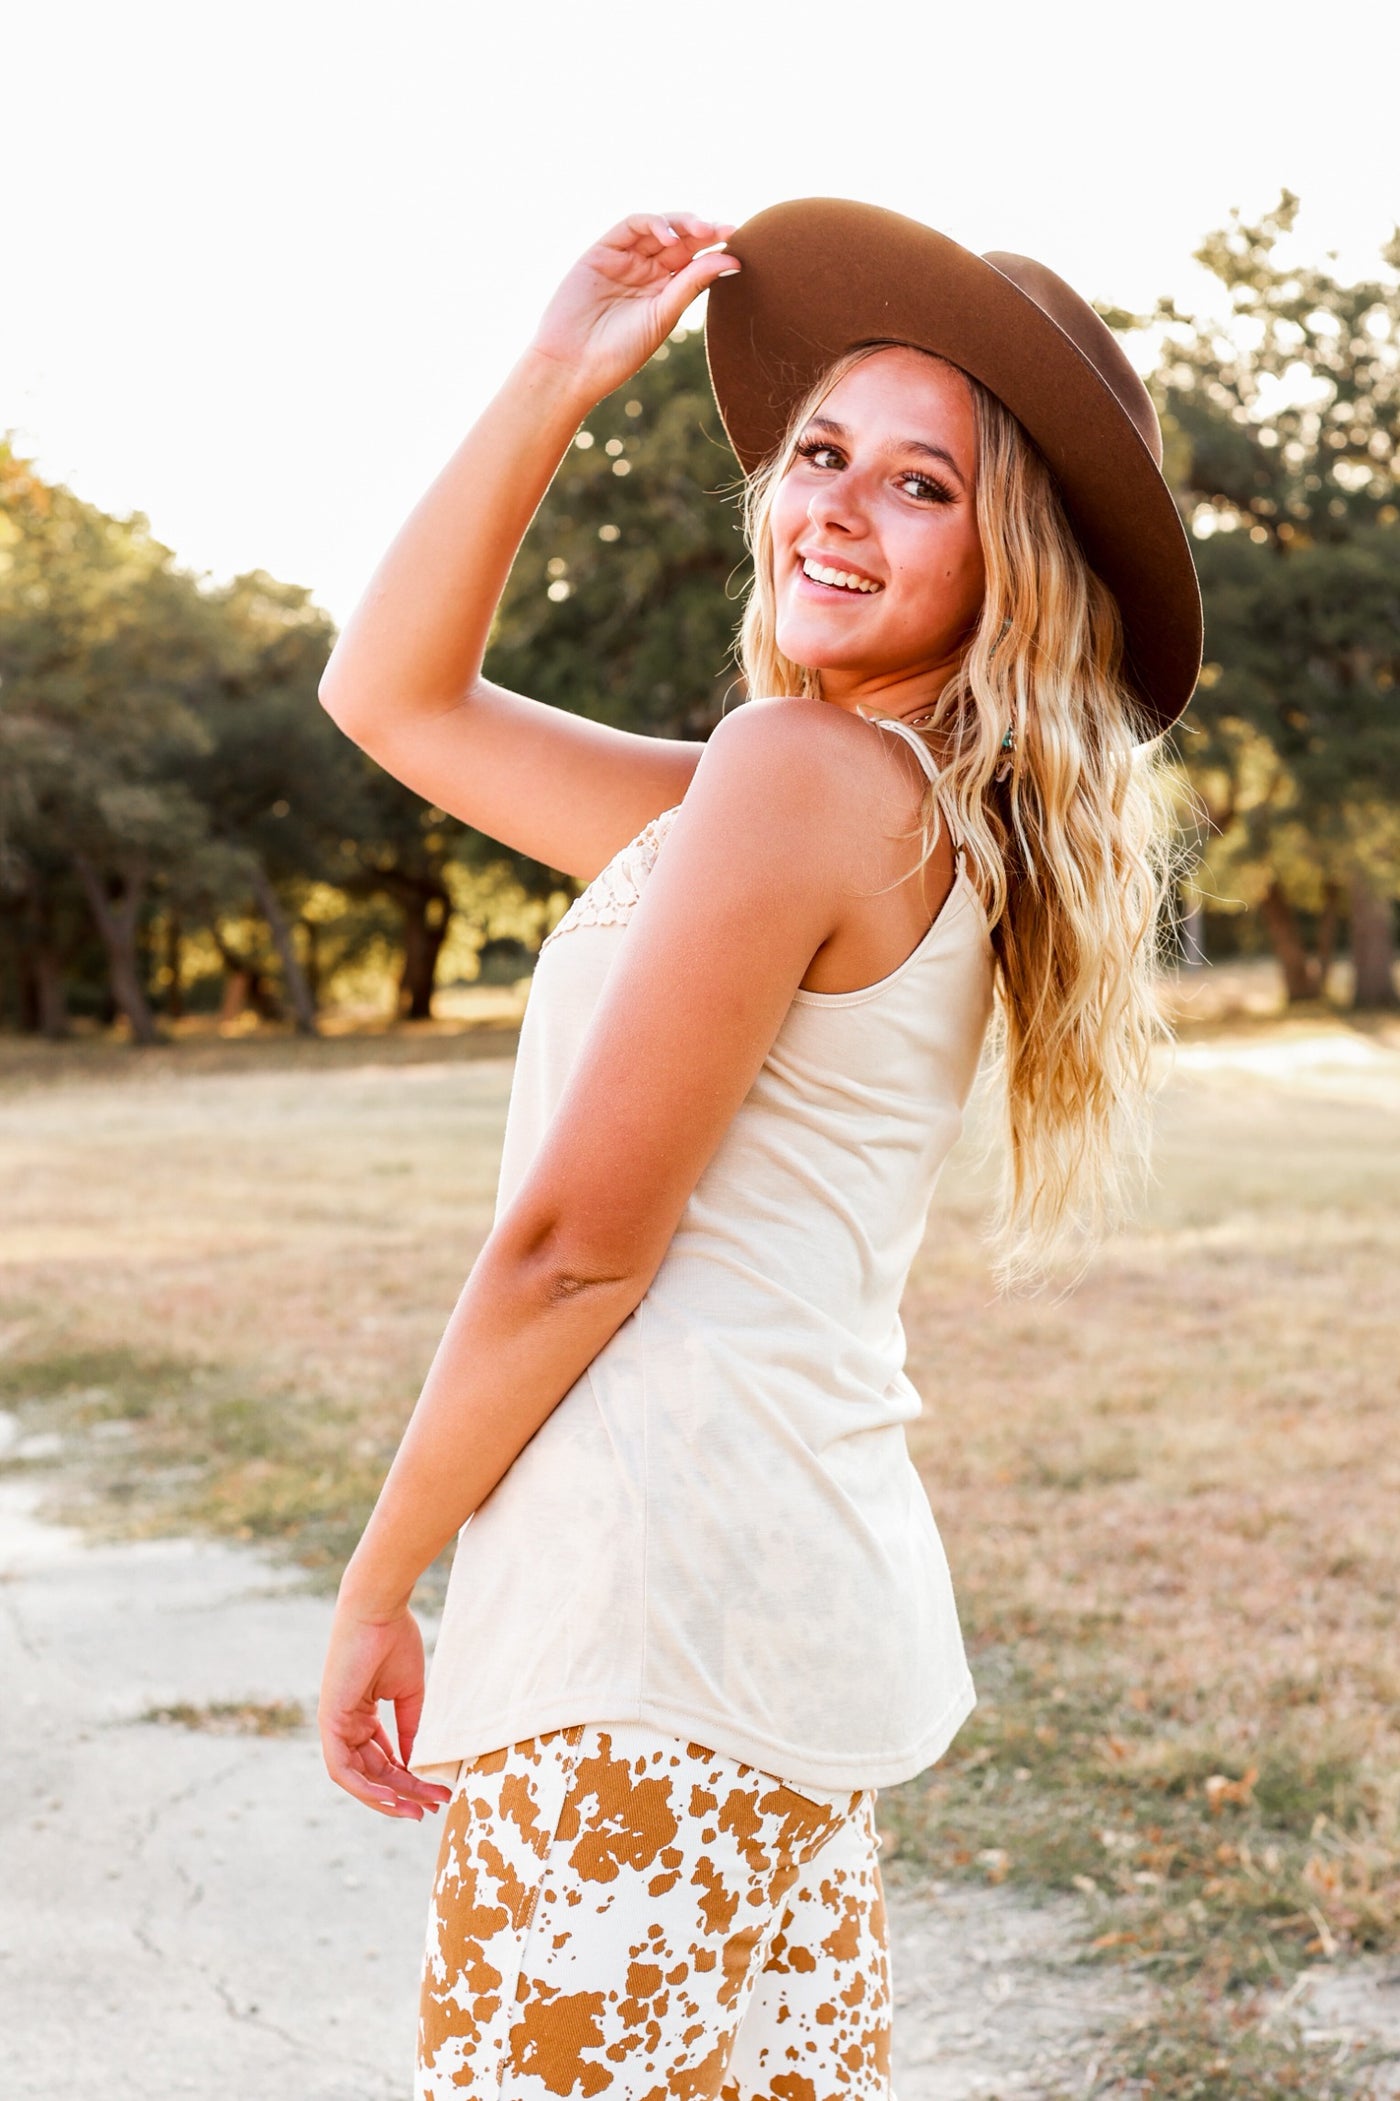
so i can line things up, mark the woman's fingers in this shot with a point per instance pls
(370, 1772)
(672, 298)
(384, 1769)
(381, 1739)
(670, 238)
(683, 246)
(702, 230)
(347, 1771)
(408, 1712)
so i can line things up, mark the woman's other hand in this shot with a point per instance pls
(623, 298)
(370, 1660)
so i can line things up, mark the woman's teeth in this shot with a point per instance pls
(840, 577)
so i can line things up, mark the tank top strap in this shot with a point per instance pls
(926, 760)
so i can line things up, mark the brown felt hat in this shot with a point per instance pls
(823, 274)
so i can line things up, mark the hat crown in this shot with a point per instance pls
(1089, 334)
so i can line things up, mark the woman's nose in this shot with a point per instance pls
(837, 508)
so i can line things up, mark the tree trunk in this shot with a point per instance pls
(1281, 921)
(26, 985)
(174, 964)
(26, 994)
(1327, 933)
(238, 990)
(298, 991)
(115, 919)
(426, 914)
(44, 995)
(239, 980)
(1372, 944)
(244, 985)
(313, 960)
(50, 994)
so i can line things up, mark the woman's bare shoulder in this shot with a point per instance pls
(819, 761)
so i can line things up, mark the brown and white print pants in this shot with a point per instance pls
(619, 1912)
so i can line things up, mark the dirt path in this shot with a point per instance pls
(188, 1912)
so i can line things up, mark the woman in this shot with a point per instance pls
(700, 1613)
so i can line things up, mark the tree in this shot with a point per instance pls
(623, 601)
(99, 636)
(1284, 427)
(279, 786)
(1301, 752)
(399, 848)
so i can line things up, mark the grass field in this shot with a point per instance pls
(1168, 1497)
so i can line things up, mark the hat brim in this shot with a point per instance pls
(823, 274)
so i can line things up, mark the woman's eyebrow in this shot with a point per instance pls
(919, 445)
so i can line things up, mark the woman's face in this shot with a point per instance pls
(881, 491)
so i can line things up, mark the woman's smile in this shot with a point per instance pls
(831, 578)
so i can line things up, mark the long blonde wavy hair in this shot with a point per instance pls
(1074, 852)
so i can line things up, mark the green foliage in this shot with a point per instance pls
(1283, 427)
(165, 766)
(99, 637)
(625, 596)
(1306, 654)
(274, 776)
(1291, 410)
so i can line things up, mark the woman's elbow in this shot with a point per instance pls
(335, 695)
(561, 1264)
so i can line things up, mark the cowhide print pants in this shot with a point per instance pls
(619, 1912)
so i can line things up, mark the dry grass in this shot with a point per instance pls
(234, 1718)
(247, 1264)
(1170, 1500)
(1168, 1497)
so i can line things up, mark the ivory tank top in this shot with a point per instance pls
(719, 1531)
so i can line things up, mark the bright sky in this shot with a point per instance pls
(266, 261)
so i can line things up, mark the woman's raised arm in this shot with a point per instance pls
(404, 680)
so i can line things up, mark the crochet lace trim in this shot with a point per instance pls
(614, 891)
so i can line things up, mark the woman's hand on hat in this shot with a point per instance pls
(623, 297)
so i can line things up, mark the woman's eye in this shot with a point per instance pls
(926, 488)
(931, 491)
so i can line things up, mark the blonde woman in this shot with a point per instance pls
(699, 1612)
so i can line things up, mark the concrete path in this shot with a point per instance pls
(184, 1912)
